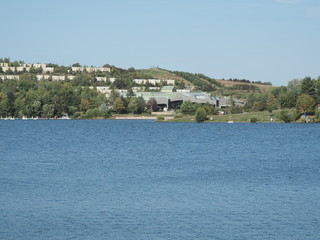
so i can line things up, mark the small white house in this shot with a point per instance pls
(170, 81)
(48, 70)
(58, 78)
(104, 69)
(77, 69)
(44, 77)
(4, 65)
(103, 89)
(112, 79)
(101, 79)
(70, 77)
(10, 77)
(39, 65)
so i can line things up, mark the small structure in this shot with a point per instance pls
(168, 89)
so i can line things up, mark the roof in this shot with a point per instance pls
(168, 88)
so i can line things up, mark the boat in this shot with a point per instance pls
(64, 117)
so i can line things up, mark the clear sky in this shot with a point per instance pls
(258, 40)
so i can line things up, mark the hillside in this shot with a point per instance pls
(162, 74)
(205, 83)
(230, 84)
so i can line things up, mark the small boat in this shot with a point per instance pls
(64, 117)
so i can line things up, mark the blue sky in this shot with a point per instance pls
(258, 40)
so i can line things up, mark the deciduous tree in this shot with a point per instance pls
(305, 103)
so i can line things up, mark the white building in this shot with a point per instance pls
(101, 79)
(94, 69)
(9, 77)
(103, 69)
(58, 78)
(48, 70)
(5, 69)
(22, 69)
(4, 65)
(70, 77)
(39, 65)
(103, 89)
(155, 88)
(90, 69)
(183, 90)
(77, 69)
(137, 89)
(112, 79)
(154, 81)
(170, 81)
(140, 81)
(42, 77)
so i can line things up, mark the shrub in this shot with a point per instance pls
(93, 113)
(160, 118)
(201, 114)
(289, 116)
(253, 120)
(178, 115)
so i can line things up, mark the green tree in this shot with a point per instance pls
(305, 104)
(88, 99)
(271, 103)
(4, 105)
(288, 116)
(120, 84)
(141, 104)
(152, 104)
(289, 99)
(294, 85)
(48, 110)
(317, 86)
(250, 102)
(133, 105)
(36, 108)
(83, 79)
(188, 108)
(308, 87)
(118, 105)
(201, 114)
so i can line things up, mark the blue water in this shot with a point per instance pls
(133, 179)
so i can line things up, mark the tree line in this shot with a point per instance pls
(46, 99)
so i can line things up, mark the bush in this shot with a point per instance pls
(148, 111)
(188, 108)
(178, 115)
(288, 116)
(201, 114)
(160, 118)
(316, 118)
(93, 113)
(253, 120)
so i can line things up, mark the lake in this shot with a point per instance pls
(140, 179)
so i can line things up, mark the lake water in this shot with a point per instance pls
(136, 179)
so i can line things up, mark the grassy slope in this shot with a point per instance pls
(161, 74)
(264, 88)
